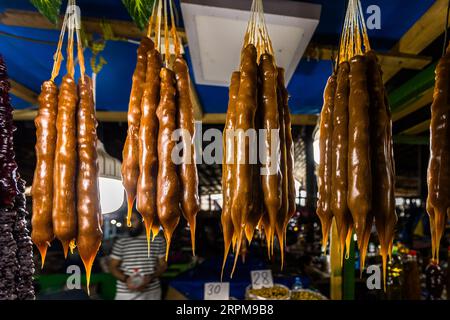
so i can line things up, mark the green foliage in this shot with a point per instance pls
(48, 8)
(140, 11)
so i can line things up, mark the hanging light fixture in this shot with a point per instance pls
(112, 193)
(316, 145)
(110, 181)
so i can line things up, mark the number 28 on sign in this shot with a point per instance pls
(261, 279)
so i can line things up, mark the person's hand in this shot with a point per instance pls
(145, 283)
(130, 285)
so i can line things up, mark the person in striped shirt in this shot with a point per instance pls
(137, 273)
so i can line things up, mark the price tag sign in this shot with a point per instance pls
(217, 291)
(261, 279)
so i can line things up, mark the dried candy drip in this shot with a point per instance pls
(265, 224)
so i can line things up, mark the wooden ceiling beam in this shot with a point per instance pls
(418, 128)
(411, 140)
(208, 118)
(105, 116)
(427, 29)
(127, 29)
(304, 119)
(387, 60)
(422, 99)
(33, 19)
(417, 92)
(413, 94)
(23, 92)
(196, 105)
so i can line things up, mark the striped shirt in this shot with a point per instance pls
(133, 254)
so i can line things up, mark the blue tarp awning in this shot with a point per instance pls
(30, 62)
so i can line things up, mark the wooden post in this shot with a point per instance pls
(336, 264)
(349, 273)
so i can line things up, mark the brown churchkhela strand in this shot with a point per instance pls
(383, 198)
(271, 178)
(168, 188)
(42, 189)
(256, 208)
(130, 165)
(245, 117)
(359, 165)
(190, 203)
(148, 147)
(392, 166)
(63, 215)
(289, 146)
(88, 198)
(339, 185)
(325, 165)
(264, 221)
(283, 212)
(438, 201)
(228, 167)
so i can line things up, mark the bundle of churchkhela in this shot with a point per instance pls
(65, 190)
(257, 192)
(160, 105)
(438, 200)
(16, 257)
(356, 145)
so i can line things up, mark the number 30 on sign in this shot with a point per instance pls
(217, 291)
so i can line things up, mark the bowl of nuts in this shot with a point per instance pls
(277, 292)
(305, 294)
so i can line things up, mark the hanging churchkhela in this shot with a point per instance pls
(65, 192)
(257, 193)
(160, 105)
(16, 259)
(356, 145)
(438, 200)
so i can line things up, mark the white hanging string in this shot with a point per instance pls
(58, 54)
